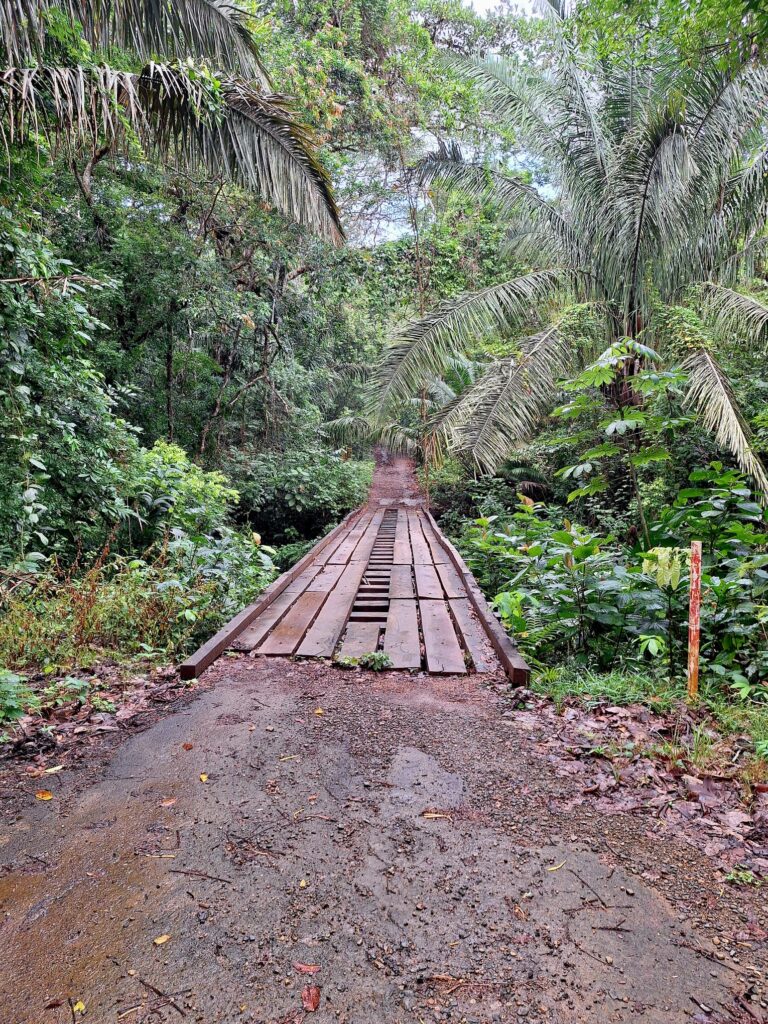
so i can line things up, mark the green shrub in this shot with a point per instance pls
(297, 494)
(174, 492)
(163, 605)
(570, 592)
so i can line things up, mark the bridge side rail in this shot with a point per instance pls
(204, 656)
(512, 661)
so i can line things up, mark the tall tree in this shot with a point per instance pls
(658, 199)
(228, 122)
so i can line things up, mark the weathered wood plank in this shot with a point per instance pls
(421, 553)
(475, 638)
(401, 583)
(453, 585)
(443, 651)
(402, 552)
(326, 579)
(288, 634)
(360, 638)
(343, 552)
(323, 635)
(511, 660)
(401, 638)
(300, 584)
(204, 656)
(427, 582)
(364, 546)
(255, 633)
(439, 555)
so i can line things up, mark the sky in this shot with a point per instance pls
(481, 6)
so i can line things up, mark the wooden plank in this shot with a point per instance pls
(421, 553)
(326, 579)
(204, 656)
(512, 662)
(288, 634)
(301, 582)
(323, 635)
(401, 638)
(439, 555)
(475, 638)
(427, 582)
(453, 585)
(401, 583)
(344, 551)
(255, 633)
(402, 552)
(363, 548)
(360, 638)
(441, 646)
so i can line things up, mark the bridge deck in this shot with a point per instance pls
(386, 580)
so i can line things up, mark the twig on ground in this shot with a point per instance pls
(588, 886)
(169, 999)
(199, 874)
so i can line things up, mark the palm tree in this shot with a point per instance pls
(659, 200)
(230, 122)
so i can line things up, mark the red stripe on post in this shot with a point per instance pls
(694, 621)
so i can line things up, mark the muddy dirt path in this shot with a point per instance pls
(399, 833)
(386, 848)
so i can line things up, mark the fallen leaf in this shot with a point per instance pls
(44, 794)
(434, 814)
(556, 867)
(319, 711)
(79, 1007)
(306, 968)
(310, 997)
(303, 883)
(169, 802)
(203, 777)
(161, 940)
(187, 746)
(56, 768)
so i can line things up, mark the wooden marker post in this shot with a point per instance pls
(694, 621)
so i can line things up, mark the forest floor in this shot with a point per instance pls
(298, 841)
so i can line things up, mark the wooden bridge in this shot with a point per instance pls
(384, 579)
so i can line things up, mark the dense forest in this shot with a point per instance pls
(241, 247)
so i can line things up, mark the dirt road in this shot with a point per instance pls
(400, 833)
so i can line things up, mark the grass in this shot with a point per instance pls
(592, 688)
(704, 747)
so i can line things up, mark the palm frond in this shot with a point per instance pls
(505, 405)
(217, 30)
(710, 393)
(447, 167)
(422, 350)
(735, 314)
(253, 138)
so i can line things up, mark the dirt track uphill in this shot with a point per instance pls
(337, 845)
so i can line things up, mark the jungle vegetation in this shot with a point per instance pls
(214, 222)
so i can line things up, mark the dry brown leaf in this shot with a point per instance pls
(187, 746)
(44, 794)
(306, 968)
(310, 997)
(169, 802)
(161, 940)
